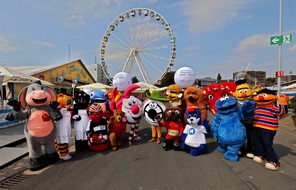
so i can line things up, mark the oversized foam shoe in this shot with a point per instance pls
(37, 163)
(272, 166)
(52, 158)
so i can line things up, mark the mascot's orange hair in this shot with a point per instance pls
(193, 97)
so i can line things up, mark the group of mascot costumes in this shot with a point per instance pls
(245, 120)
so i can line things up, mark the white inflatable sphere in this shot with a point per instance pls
(122, 80)
(184, 77)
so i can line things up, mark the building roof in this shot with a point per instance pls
(32, 70)
(29, 70)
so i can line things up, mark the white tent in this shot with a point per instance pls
(292, 86)
(9, 75)
(144, 86)
(95, 86)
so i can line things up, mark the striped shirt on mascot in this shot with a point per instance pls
(132, 108)
(265, 123)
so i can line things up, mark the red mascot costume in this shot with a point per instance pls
(96, 129)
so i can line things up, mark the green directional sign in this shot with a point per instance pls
(276, 40)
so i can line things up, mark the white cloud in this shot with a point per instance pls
(6, 45)
(293, 48)
(210, 15)
(42, 43)
(78, 13)
(255, 41)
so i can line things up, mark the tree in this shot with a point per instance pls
(270, 80)
(135, 80)
(219, 77)
(167, 80)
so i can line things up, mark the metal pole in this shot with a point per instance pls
(69, 51)
(2, 101)
(280, 50)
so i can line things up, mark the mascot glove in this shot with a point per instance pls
(206, 124)
(249, 105)
(15, 104)
(76, 117)
(283, 100)
(248, 109)
(54, 105)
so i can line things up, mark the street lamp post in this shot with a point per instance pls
(280, 50)
(73, 88)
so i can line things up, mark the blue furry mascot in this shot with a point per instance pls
(227, 126)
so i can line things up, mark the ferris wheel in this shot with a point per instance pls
(139, 42)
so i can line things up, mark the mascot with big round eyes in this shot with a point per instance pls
(227, 127)
(132, 108)
(214, 92)
(174, 126)
(154, 106)
(37, 104)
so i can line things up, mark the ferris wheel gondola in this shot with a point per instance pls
(139, 42)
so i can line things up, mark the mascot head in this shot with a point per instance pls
(174, 92)
(99, 97)
(265, 98)
(118, 97)
(37, 94)
(173, 113)
(193, 95)
(95, 112)
(132, 108)
(65, 100)
(193, 115)
(154, 105)
(118, 116)
(226, 105)
(243, 92)
(81, 99)
(214, 92)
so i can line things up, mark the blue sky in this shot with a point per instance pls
(211, 36)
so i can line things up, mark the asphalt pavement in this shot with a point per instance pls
(146, 166)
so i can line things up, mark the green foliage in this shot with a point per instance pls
(292, 104)
(270, 80)
(167, 80)
(135, 80)
(219, 77)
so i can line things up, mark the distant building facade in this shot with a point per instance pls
(288, 78)
(254, 77)
(97, 72)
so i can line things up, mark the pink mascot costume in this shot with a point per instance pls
(132, 108)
